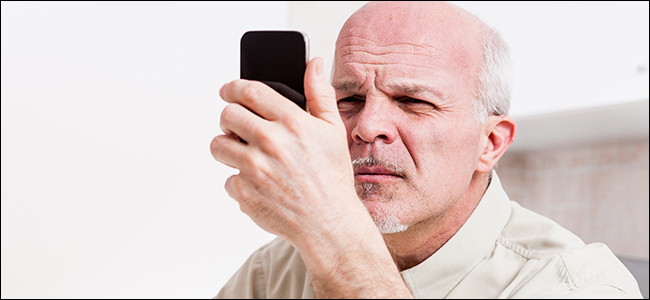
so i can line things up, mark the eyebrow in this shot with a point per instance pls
(400, 88)
(346, 86)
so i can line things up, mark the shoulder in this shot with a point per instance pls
(276, 270)
(557, 263)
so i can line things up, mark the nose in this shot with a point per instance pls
(375, 122)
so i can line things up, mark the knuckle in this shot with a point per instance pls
(294, 125)
(273, 144)
(252, 161)
(253, 90)
(238, 189)
(228, 112)
(259, 172)
(266, 140)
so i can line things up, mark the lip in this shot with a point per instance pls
(375, 174)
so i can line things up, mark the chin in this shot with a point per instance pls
(387, 222)
(385, 217)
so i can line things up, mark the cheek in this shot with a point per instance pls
(468, 142)
(445, 148)
(424, 140)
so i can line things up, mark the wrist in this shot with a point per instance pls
(352, 261)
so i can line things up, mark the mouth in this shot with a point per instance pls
(376, 174)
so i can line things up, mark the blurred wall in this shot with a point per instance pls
(598, 192)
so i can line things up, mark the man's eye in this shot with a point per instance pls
(412, 102)
(354, 98)
(348, 104)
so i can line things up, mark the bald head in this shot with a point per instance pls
(445, 37)
(418, 23)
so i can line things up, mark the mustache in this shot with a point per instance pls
(373, 161)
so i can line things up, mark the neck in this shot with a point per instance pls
(421, 240)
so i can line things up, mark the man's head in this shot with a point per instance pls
(423, 107)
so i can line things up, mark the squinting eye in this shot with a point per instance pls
(351, 103)
(416, 102)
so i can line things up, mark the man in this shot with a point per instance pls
(419, 107)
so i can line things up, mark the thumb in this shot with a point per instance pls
(319, 94)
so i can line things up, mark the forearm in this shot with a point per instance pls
(354, 264)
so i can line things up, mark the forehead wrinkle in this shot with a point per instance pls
(356, 51)
(350, 40)
(382, 64)
(424, 52)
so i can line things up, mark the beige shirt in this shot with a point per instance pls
(502, 251)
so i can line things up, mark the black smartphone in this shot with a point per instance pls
(277, 58)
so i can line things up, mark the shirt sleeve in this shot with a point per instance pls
(248, 282)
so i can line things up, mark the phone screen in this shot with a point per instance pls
(277, 58)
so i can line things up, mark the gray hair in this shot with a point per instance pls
(494, 86)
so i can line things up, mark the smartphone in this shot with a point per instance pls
(278, 59)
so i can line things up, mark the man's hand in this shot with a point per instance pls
(295, 171)
(296, 181)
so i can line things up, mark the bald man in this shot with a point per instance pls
(385, 188)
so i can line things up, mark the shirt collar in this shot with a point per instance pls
(441, 272)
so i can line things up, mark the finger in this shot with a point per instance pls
(320, 95)
(240, 121)
(230, 187)
(259, 98)
(252, 202)
(239, 189)
(227, 150)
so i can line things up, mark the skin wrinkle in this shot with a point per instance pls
(380, 54)
(390, 56)
(346, 87)
(350, 48)
(414, 89)
(379, 64)
(404, 43)
(441, 106)
(399, 88)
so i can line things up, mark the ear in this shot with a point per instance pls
(500, 132)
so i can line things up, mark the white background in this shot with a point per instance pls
(108, 185)
(108, 109)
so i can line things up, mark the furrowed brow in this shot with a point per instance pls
(412, 89)
(399, 88)
(346, 86)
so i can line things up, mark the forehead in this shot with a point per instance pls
(362, 65)
(407, 40)
(360, 49)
